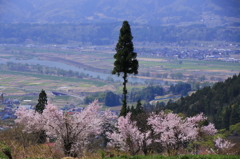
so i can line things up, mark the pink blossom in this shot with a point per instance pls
(72, 132)
(223, 144)
(127, 137)
(197, 118)
(173, 131)
(209, 129)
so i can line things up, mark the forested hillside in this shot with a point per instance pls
(154, 12)
(221, 103)
(106, 33)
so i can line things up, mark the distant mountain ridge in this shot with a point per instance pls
(154, 12)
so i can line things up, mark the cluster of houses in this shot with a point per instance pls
(10, 106)
(168, 52)
(71, 110)
(4, 127)
(179, 53)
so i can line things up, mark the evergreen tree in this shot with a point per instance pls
(226, 120)
(111, 99)
(139, 107)
(126, 62)
(42, 102)
(221, 102)
(235, 114)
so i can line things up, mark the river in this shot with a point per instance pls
(103, 76)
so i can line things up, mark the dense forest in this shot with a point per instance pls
(104, 33)
(150, 92)
(221, 103)
(136, 94)
(108, 98)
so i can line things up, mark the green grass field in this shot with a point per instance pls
(54, 78)
(193, 64)
(179, 157)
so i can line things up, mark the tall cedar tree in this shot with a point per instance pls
(42, 102)
(126, 62)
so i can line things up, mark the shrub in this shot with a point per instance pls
(6, 150)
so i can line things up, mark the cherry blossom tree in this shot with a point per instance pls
(127, 136)
(197, 120)
(73, 133)
(222, 144)
(173, 131)
(206, 131)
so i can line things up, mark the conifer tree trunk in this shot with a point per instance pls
(124, 101)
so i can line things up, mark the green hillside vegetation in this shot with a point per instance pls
(104, 33)
(221, 103)
(144, 94)
(108, 98)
